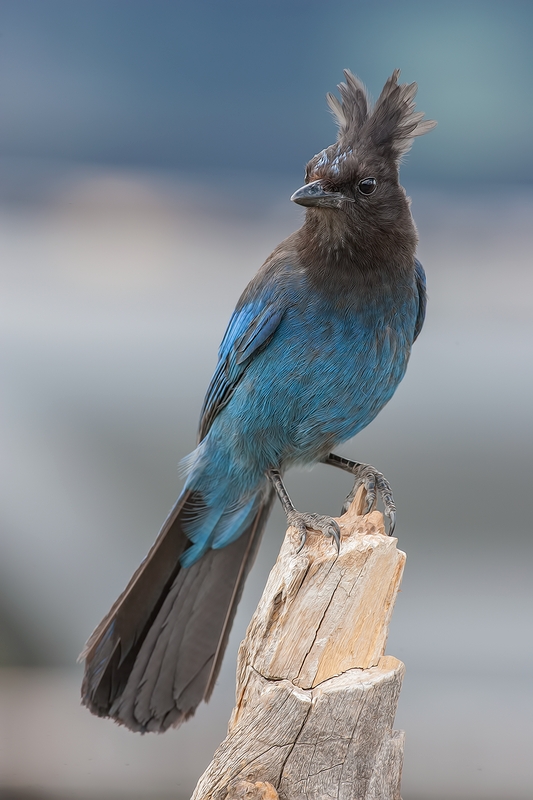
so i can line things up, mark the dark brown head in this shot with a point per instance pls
(359, 174)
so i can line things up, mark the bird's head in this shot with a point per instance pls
(359, 173)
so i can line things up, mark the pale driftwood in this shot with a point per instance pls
(316, 696)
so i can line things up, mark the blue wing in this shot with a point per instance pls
(250, 327)
(420, 276)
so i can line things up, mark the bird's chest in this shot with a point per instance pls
(343, 366)
(371, 339)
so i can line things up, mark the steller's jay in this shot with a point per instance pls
(316, 346)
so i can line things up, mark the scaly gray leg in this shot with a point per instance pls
(303, 522)
(374, 483)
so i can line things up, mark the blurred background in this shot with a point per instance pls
(148, 149)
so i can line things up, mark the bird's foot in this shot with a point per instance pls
(375, 484)
(314, 522)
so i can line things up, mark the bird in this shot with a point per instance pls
(317, 345)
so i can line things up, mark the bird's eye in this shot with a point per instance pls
(367, 185)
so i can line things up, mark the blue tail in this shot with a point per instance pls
(214, 527)
(157, 654)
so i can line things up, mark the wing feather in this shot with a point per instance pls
(420, 277)
(250, 328)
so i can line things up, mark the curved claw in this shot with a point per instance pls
(392, 521)
(388, 501)
(370, 498)
(349, 500)
(335, 533)
(315, 522)
(303, 538)
(346, 505)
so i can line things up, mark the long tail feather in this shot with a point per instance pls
(157, 654)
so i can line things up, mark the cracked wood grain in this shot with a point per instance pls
(316, 696)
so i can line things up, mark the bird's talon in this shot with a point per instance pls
(375, 484)
(303, 538)
(335, 535)
(314, 522)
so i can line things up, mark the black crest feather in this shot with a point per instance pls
(390, 125)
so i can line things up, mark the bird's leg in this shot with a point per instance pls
(374, 483)
(303, 522)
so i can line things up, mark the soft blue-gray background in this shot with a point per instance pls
(147, 153)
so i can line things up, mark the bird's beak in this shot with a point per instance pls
(314, 194)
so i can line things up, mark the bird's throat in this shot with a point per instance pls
(337, 249)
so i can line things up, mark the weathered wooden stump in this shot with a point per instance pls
(316, 696)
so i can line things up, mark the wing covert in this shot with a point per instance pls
(251, 326)
(420, 277)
